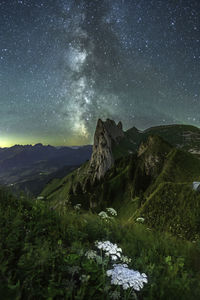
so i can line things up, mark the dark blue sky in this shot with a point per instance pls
(64, 64)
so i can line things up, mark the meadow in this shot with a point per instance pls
(46, 254)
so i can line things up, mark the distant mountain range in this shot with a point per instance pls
(145, 174)
(34, 168)
(31, 167)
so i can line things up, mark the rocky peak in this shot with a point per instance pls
(154, 144)
(153, 153)
(119, 125)
(107, 133)
(146, 145)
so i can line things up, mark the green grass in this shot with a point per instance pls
(180, 167)
(174, 207)
(42, 254)
(43, 243)
(134, 188)
(57, 190)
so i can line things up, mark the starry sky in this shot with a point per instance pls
(66, 63)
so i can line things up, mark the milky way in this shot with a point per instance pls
(64, 64)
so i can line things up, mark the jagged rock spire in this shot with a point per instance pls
(107, 133)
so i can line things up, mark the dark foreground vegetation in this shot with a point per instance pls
(42, 255)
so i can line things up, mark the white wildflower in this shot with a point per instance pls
(125, 286)
(112, 211)
(114, 257)
(140, 220)
(122, 275)
(77, 207)
(103, 215)
(125, 259)
(40, 198)
(109, 272)
(91, 254)
(110, 249)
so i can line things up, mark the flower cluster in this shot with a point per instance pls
(103, 215)
(91, 254)
(127, 278)
(77, 207)
(140, 220)
(120, 273)
(110, 249)
(108, 214)
(125, 259)
(112, 211)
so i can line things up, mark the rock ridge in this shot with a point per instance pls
(106, 134)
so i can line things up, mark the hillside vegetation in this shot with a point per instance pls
(48, 245)
(140, 184)
(43, 255)
(186, 137)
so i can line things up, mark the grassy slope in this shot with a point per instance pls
(42, 255)
(39, 247)
(180, 215)
(170, 204)
(127, 187)
(118, 190)
(57, 190)
(174, 207)
(131, 142)
(180, 167)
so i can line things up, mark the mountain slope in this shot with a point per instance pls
(31, 167)
(186, 137)
(134, 184)
(173, 207)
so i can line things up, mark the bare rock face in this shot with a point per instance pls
(153, 153)
(102, 159)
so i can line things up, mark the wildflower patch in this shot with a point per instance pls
(119, 272)
(127, 278)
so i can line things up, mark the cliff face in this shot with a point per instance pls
(153, 152)
(102, 159)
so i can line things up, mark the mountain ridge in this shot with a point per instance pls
(133, 182)
(186, 137)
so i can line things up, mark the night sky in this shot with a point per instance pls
(64, 64)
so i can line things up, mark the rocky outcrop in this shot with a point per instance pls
(153, 152)
(107, 133)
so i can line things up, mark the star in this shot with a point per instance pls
(64, 64)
